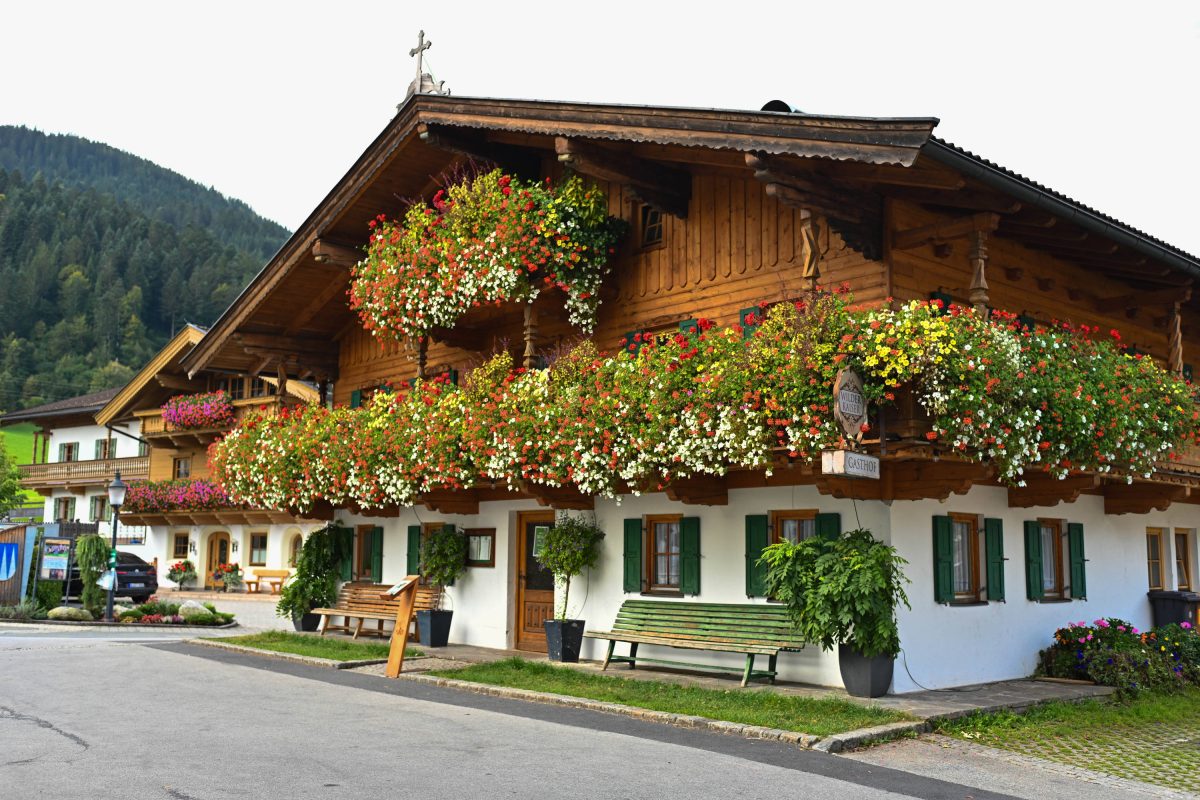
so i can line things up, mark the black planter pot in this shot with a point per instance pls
(434, 627)
(306, 622)
(564, 638)
(862, 676)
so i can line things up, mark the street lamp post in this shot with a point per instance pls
(116, 498)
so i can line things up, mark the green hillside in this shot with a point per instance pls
(17, 440)
(96, 279)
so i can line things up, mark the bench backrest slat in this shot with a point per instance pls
(729, 623)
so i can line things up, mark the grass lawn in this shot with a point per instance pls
(819, 717)
(18, 441)
(1154, 738)
(315, 646)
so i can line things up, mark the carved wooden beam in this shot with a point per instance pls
(1175, 341)
(1158, 297)
(326, 251)
(943, 231)
(791, 196)
(464, 501)
(1142, 497)
(704, 490)
(851, 172)
(666, 188)
(524, 162)
(178, 384)
(561, 497)
(1046, 490)
(965, 199)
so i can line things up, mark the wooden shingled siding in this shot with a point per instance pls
(736, 248)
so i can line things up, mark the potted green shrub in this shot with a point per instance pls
(567, 549)
(315, 581)
(844, 592)
(443, 558)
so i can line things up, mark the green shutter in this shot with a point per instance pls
(71, 509)
(633, 554)
(62, 452)
(1078, 561)
(452, 375)
(356, 398)
(689, 555)
(749, 329)
(630, 344)
(690, 326)
(1033, 560)
(828, 526)
(993, 545)
(943, 559)
(414, 549)
(99, 447)
(345, 538)
(757, 539)
(377, 555)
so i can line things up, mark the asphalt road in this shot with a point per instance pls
(108, 716)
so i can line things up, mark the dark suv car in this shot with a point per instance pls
(135, 578)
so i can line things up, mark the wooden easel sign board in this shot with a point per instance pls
(406, 593)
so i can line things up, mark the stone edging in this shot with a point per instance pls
(802, 740)
(137, 626)
(314, 661)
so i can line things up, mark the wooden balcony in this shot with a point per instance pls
(79, 474)
(156, 430)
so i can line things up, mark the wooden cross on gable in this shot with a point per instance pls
(418, 51)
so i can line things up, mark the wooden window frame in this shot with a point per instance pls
(259, 388)
(645, 227)
(250, 562)
(975, 556)
(651, 554)
(101, 501)
(1183, 557)
(1154, 566)
(777, 518)
(176, 538)
(1059, 591)
(362, 554)
(489, 533)
(293, 552)
(66, 504)
(176, 463)
(68, 452)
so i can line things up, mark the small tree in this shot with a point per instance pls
(11, 492)
(318, 568)
(570, 547)
(840, 591)
(443, 558)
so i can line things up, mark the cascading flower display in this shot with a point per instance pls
(151, 497)
(189, 411)
(486, 239)
(702, 402)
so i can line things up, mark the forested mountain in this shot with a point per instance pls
(156, 192)
(93, 281)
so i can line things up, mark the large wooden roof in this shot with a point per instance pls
(295, 309)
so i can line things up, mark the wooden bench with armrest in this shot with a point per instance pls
(272, 577)
(750, 630)
(362, 601)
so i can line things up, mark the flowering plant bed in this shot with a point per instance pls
(159, 612)
(188, 411)
(1054, 400)
(1114, 652)
(182, 572)
(486, 239)
(174, 495)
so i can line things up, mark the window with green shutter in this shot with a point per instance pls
(757, 539)
(356, 398)
(1033, 560)
(631, 342)
(829, 525)
(750, 319)
(345, 542)
(377, 555)
(414, 550)
(689, 573)
(1078, 561)
(943, 559)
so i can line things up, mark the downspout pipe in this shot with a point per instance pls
(1040, 198)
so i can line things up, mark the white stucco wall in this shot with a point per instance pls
(86, 437)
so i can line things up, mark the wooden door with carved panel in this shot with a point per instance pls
(535, 583)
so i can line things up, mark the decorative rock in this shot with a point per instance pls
(191, 608)
(69, 613)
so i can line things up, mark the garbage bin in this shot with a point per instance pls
(1173, 607)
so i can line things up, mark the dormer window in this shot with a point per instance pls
(652, 228)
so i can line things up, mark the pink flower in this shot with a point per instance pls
(1103, 623)
(1187, 626)
(1082, 640)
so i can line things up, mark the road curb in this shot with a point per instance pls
(849, 740)
(327, 663)
(85, 625)
(802, 740)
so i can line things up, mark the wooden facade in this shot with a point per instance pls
(755, 207)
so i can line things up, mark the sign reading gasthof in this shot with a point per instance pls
(850, 464)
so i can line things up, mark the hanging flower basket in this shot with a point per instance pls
(488, 239)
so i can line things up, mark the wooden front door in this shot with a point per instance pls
(218, 553)
(535, 584)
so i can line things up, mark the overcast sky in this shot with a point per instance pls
(272, 102)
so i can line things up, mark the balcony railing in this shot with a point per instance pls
(73, 473)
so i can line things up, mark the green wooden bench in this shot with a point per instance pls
(751, 630)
